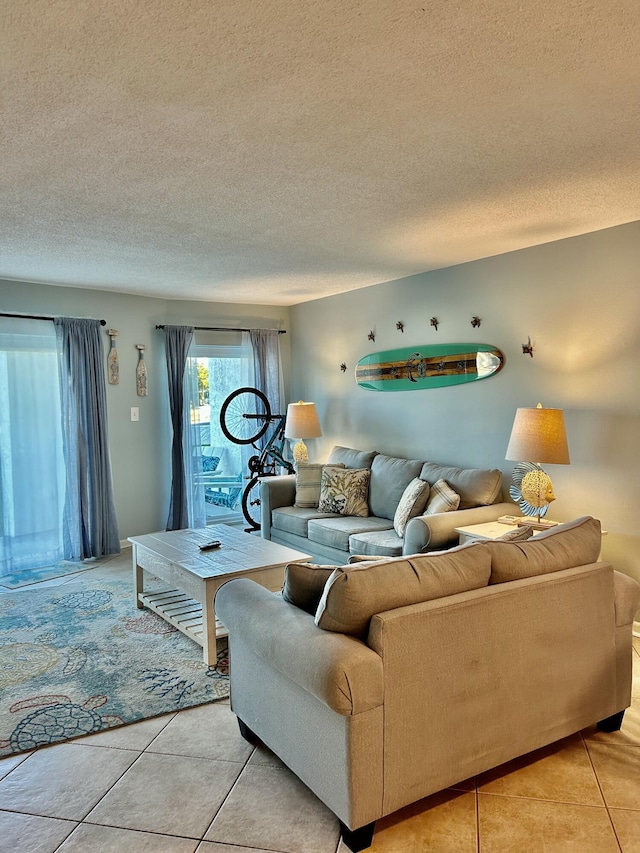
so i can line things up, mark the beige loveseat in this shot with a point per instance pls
(405, 676)
(331, 537)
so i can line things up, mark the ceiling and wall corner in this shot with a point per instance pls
(275, 152)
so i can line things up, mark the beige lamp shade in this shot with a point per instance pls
(302, 422)
(539, 435)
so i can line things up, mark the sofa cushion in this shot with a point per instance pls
(344, 491)
(335, 531)
(576, 543)
(293, 519)
(476, 486)
(351, 458)
(355, 593)
(304, 583)
(442, 498)
(412, 503)
(385, 543)
(308, 480)
(390, 476)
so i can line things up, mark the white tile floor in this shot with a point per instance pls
(188, 782)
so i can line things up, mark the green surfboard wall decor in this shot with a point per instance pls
(431, 366)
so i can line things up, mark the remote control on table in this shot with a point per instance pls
(209, 546)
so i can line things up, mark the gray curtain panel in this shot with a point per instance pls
(265, 347)
(177, 342)
(90, 527)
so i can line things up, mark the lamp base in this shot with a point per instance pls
(300, 453)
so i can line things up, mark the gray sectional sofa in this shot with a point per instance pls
(333, 538)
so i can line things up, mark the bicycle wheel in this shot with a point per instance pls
(234, 424)
(251, 503)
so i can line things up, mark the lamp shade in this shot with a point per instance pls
(302, 421)
(539, 435)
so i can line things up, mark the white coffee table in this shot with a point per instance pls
(194, 576)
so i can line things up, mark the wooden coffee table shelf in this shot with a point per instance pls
(194, 576)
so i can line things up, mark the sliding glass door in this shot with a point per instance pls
(221, 476)
(32, 475)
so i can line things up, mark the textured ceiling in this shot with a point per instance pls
(275, 151)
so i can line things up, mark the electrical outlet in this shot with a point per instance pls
(135, 413)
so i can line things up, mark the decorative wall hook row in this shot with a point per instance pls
(435, 322)
(475, 322)
(400, 326)
(371, 336)
(527, 349)
(343, 367)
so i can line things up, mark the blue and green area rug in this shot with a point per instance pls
(27, 577)
(80, 657)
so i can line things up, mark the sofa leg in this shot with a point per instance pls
(611, 724)
(247, 734)
(357, 839)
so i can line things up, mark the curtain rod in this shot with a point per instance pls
(36, 317)
(227, 329)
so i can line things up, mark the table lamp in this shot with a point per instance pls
(302, 422)
(538, 435)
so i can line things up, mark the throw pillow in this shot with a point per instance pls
(576, 543)
(353, 594)
(344, 491)
(518, 534)
(442, 498)
(304, 584)
(210, 463)
(308, 480)
(412, 502)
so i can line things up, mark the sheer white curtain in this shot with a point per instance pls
(32, 472)
(191, 445)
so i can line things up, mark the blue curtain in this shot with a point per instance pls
(177, 342)
(90, 527)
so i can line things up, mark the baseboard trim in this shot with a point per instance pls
(124, 543)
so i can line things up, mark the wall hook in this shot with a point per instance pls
(400, 326)
(371, 336)
(434, 322)
(343, 367)
(527, 349)
(475, 322)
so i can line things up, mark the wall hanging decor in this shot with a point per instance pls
(371, 336)
(343, 367)
(435, 323)
(141, 372)
(475, 322)
(113, 366)
(431, 366)
(527, 349)
(400, 326)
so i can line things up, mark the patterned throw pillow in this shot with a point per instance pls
(345, 491)
(308, 480)
(412, 503)
(442, 498)
(210, 463)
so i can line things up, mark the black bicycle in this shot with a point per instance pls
(245, 417)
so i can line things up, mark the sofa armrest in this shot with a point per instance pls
(340, 671)
(627, 598)
(275, 492)
(433, 532)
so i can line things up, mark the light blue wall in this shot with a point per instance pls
(140, 452)
(577, 299)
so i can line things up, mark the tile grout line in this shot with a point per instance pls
(604, 799)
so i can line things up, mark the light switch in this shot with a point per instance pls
(135, 413)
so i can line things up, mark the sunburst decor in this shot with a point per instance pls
(531, 489)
